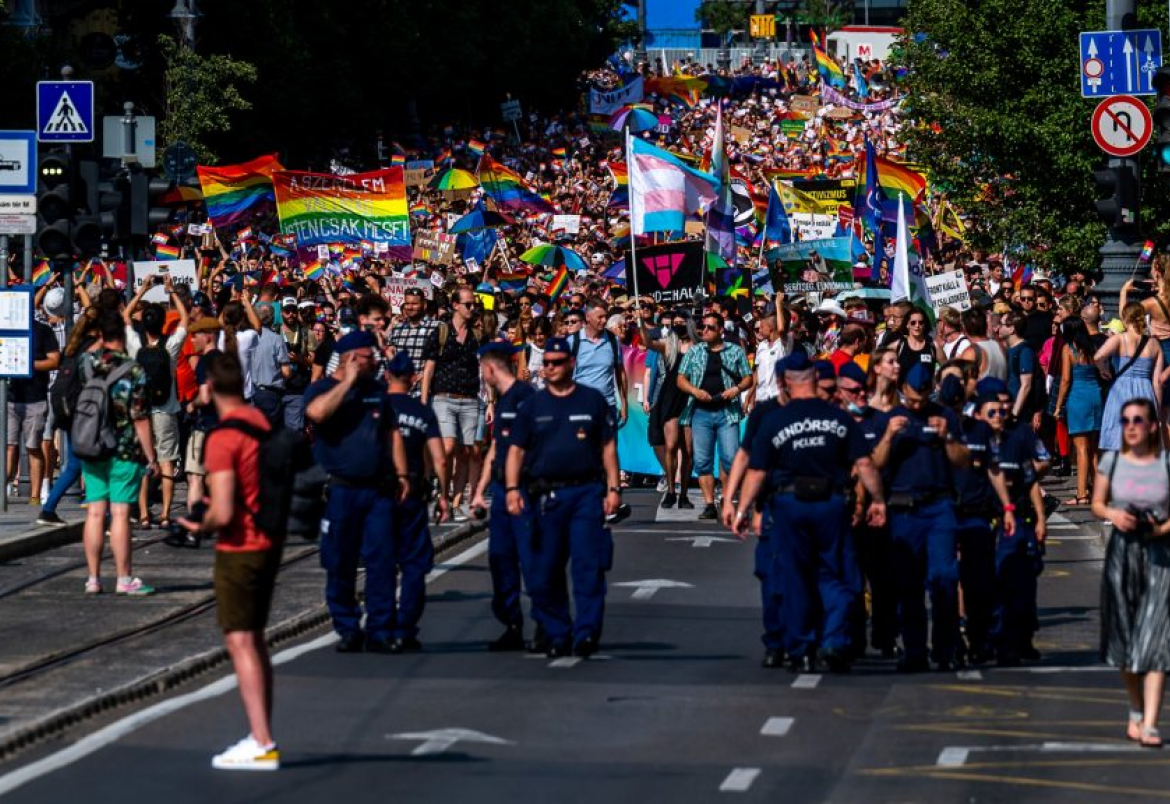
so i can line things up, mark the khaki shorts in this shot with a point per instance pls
(164, 427)
(193, 462)
(243, 588)
(26, 423)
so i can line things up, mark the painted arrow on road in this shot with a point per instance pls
(700, 541)
(439, 740)
(644, 590)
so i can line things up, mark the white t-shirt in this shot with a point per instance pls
(767, 353)
(246, 340)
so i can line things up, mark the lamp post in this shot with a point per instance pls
(185, 15)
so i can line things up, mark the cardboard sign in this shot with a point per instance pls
(434, 247)
(949, 290)
(804, 104)
(395, 290)
(566, 224)
(741, 135)
(418, 177)
(179, 271)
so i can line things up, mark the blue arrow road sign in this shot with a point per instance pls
(1119, 62)
(18, 162)
(65, 111)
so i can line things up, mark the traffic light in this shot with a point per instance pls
(146, 212)
(1161, 115)
(87, 229)
(54, 206)
(1118, 209)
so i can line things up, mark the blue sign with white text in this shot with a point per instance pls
(1119, 62)
(65, 111)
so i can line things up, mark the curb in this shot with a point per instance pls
(43, 538)
(161, 681)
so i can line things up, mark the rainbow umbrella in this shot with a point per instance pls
(454, 179)
(636, 117)
(554, 257)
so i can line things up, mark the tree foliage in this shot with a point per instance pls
(722, 16)
(825, 15)
(202, 93)
(995, 115)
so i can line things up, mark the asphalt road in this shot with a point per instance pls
(676, 708)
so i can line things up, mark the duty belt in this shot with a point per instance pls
(907, 499)
(386, 486)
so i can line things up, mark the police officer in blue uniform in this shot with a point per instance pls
(771, 591)
(414, 553)
(495, 360)
(1019, 549)
(806, 452)
(564, 452)
(872, 542)
(358, 443)
(917, 453)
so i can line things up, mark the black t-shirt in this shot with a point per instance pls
(418, 425)
(563, 436)
(1038, 329)
(808, 438)
(36, 387)
(712, 381)
(323, 352)
(205, 416)
(972, 481)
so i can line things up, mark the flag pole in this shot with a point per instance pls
(632, 268)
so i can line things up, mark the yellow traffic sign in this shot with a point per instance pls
(763, 26)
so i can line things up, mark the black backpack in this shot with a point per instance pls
(156, 361)
(66, 390)
(292, 484)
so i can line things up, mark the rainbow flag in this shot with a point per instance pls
(829, 69)
(41, 274)
(619, 172)
(244, 234)
(475, 148)
(234, 192)
(366, 246)
(398, 160)
(419, 210)
(559, 153)
(895, 178)
(557, 284)
(321, 208)
(167, 252)
(1147, 251)
(513, 282)
(508, 189)
(314, 270)
(160, 239)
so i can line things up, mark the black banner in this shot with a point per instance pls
(670, 273)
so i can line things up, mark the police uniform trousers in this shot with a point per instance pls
(817, 570)
(1018, 564)
(504, 558)
(977, 577)
(414, 557)
(925, 559)
(358, 526)
(873, 553)
(767, 571)
(567, 525)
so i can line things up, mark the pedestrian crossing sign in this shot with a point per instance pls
(65, 111)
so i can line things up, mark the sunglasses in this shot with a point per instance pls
(572, 322)
(996, 413)
(559, 361)
(849, 389)
(710, 328)
(916, 324)
(1027, 298)
(1126, 421)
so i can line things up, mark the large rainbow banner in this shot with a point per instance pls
(234, 193)
(321, 208)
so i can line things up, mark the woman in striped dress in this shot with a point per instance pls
(1132, 491)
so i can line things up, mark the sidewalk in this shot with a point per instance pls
(66, 657)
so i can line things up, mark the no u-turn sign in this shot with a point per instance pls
(1122, 125)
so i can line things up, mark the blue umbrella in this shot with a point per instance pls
(479, 218)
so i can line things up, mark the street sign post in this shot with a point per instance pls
(18, 162)
(65, 111)
(15, 224)
(143, 131)
(1119, 62)
(18, 204)
(1122, 125)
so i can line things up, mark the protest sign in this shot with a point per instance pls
(813, 227)
(610, 102)
(418, 177)
(396, 287)
(812, 260)
(671, 273)
(434, 247)
(325, 208)
(948, 290)
(180, 271)
(804, 104)
(566, 224)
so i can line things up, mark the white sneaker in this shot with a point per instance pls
(44, 489)
(459, 514)
(248, 754)
(662, 485)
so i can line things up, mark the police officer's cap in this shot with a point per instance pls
(501, 348)
(797, 361)
(825, 370)
(919, 378)
(991, 386)
(950, 391)
(358, 339)
(558, 345)
(400, 365)
(852, 371)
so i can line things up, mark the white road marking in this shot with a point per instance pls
(806, 681)
(1046, 670)
(131, 723)
(969, 675)
(777, 726)
(658, 531)
(678, 514)
(701, 541)
(954, 756)
(644, 590)
(739, 780)
(565, 662)
(439, 740)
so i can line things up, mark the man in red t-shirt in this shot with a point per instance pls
(246, 559)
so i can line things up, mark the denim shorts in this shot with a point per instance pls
(457, 417)
(710, 428)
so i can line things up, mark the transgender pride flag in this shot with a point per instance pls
(664, 190)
